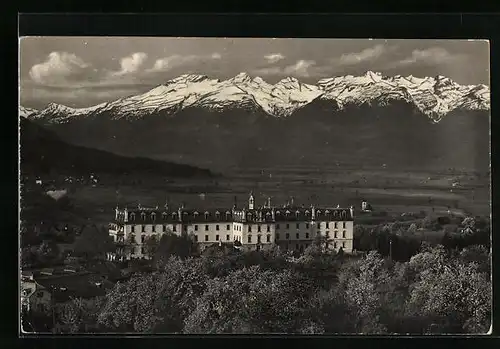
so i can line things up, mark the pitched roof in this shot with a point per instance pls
(80, 285)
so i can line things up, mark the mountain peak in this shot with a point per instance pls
(188, 78)
(241, 77)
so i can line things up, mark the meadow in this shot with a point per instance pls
(394, 192)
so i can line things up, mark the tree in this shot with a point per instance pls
(156, 302)
(252, 300)
(79, 315)
(172, 245)
(457, 295)
(47, 253)
(364, 284)
(151, 245)
(93, 243)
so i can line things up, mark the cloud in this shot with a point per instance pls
(433, 55)
(175, 61)
(60, 68)
(131, 64)
(367, 54)
(274, 57)
(301, 68)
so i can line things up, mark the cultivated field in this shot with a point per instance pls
(387, 190)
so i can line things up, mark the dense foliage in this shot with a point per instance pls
(436, 291)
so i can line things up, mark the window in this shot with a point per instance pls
(249, 228)
(143, 228)
(206, 227)
(307, 235)
(143, 238)
(297, 235)
(132, 216)
(335, 244)
(153, 228)
(196, 238)
(217, 227)
(196, 227)
(277, 236)
(206, 237)
(258, 228)
(268, 228)
(319, 225)
(249, 238)
(268, 239)
(132, 229)
(287, 236)
(185, 227)
(228, 227)
(343, 234)
(336, 225)
(298, 225)
(174, 228)
(277, 226)
(153, 216)
(216, 237)
(227, 237)
(143, 250)
(327, 234)
(143, 216)
(288, 226)
(164, 228)
(343, 225)
(258, 239)
(327, 225)
(307, 225)
(335, 234)
(343, 244)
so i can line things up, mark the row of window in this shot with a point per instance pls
(297, 235)
(228, 227)
(228, 214)
(174, 215)
(287, 236)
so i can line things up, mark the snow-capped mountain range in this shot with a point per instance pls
(433, 96)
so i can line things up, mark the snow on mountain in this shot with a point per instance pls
(433, 96)
(58, 113)
(26, 112)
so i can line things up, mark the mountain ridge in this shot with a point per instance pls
(434, 97)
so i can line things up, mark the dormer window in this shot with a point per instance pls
(327, 212)
(268, 214)
(196, 214)
(143, 216)
(297, 214)
(217, 215)
(153, 216)
(174, 215)
(343, 214)
(164, 215)
(318, 212)
(278, 212)
(132, 216)
(206, 215)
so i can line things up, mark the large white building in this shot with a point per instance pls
(289, 227)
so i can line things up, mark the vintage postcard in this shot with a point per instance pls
(254, 185)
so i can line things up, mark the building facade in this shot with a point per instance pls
(289, 227)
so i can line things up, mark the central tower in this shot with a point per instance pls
(251, 202)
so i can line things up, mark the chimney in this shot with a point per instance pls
(268, 202)
(116, 212)
(313, 213)
(272, 214)
(352, 211)
(125, 211)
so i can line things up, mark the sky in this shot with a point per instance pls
(85, 71)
